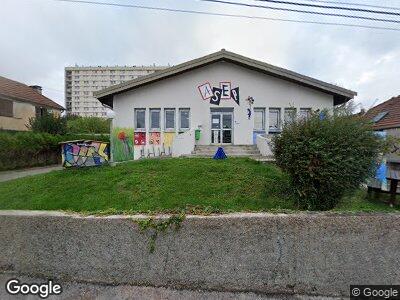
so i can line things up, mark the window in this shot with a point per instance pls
(40, 111)
(169, 117)
(274, 119)
(305, 113)
(379, 116)
(6, 108)
(289, 115)
(155, 119)
(259, 119)
(184, 118)
(140, 119)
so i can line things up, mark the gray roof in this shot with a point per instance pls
(341, 95)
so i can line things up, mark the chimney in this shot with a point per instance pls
(37, 88)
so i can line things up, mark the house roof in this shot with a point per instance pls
(341, 95)
(385, 115)
(14, 90)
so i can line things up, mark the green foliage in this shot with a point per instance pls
(30, 149)
(92, 125)
(326, 157)
(49, 123)
(160, 226)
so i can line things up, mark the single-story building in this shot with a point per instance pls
(20, 102)
(228, 97)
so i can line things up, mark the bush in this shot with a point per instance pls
(87, 125)
(30, 149)
(49, 123)
(326, 157)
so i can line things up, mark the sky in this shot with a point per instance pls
(39, 38)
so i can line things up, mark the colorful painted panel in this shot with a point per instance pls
(168, 138)
(122, 144)
(140, 138)
(85, 153)
(155, 138)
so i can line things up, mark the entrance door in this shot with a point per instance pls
(221, 127)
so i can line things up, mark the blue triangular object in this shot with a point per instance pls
(220, 154)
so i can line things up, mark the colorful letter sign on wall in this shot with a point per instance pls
(84, 153)
(122, 144)
(215, 94)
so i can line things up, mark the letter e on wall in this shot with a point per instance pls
(225, 87)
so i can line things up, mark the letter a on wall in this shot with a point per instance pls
(205, 91)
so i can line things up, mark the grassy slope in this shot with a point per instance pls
(162, 185)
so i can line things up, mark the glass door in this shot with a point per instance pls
(221, 128)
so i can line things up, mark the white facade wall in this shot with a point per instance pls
(182, 91)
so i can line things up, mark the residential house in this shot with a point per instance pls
(20, 102)
(386, 118)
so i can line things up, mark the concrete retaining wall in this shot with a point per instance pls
(310, 254)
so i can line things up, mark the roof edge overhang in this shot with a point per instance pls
(340, 95)
(385, 127)
(12, 98)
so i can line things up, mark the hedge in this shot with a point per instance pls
(30, 149)
(327, 156)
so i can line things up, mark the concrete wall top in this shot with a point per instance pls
(310, 254)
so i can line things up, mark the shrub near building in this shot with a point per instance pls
(29, 149)
(326, 156)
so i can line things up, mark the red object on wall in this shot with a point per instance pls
(140, 138)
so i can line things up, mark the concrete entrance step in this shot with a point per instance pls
(252, 153)
(230, 150)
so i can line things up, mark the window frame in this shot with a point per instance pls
(165, 119)
(289, 109)
(308, 109)
(151, 128)
(279, 127)
(180, 119)
(7, 108)
(262, 110)
(136, 119)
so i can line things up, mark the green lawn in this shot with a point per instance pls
(170, 185)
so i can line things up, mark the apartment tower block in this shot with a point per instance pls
(81, 82)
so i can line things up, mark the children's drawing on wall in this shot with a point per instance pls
(85, 153)
(140, 138)
(224, 91)
(122, 144)
(168, 138)
(155, 138)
